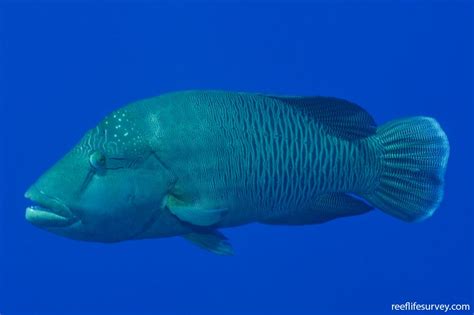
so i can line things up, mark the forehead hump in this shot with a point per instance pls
(117, 134)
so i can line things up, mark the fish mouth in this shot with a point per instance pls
(47, 211)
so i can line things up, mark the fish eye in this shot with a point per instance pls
(97, 160)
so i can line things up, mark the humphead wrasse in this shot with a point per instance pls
(189, 163)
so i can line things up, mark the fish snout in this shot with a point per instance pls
(47, 211)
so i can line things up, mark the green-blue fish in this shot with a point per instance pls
(189, 163)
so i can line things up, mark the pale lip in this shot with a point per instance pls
(48, 211)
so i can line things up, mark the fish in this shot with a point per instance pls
(190, 163)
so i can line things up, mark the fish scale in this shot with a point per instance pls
(286, 168)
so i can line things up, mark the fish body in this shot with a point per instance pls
(189, 163)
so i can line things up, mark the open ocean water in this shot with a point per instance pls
(64, 66)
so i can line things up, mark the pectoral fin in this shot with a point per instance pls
(195, 213)
(211, 240)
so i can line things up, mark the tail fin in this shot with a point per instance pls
(414, 156)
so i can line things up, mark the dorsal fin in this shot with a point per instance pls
(341, 118)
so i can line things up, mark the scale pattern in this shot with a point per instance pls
(277, 157)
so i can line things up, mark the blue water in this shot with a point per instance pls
(64, 67)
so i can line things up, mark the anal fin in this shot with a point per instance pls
(327, 207)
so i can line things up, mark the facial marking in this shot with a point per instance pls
(117, 135)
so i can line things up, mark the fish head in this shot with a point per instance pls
(108, 188)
